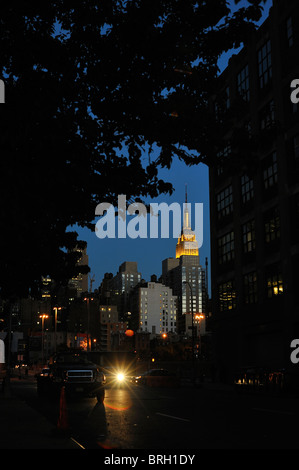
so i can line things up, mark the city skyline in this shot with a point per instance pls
(107, 255)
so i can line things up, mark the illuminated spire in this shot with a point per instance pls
(187, 243)
(186, 212)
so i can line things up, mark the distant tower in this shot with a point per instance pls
(185, 275)
(80, 282)
(187, 243)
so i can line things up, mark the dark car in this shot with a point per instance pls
(76, 373)
(43, 373)
(259, 379)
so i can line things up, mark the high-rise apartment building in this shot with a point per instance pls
(122, 284)
(109, 326)
(254, 201)
(157, 308)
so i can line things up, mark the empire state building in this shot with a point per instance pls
(186, 277)
(187, 244)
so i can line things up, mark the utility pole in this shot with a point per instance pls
(7, 389)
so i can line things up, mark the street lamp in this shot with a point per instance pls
(87, 299)
(43, 316)
(199, 317)
(55, 342)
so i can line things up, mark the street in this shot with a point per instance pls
(137, 417)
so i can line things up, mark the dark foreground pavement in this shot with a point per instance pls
(21, 427)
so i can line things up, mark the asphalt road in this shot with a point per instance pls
(186, 418)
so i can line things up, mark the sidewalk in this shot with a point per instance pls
(21, 427)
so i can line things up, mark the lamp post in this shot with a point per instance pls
(87, 299)
(43, 316)
(192, 325)
(199, 317)
(55, 323)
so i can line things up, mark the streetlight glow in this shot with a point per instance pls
(43, 317)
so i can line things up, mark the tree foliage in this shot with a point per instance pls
(99, 96)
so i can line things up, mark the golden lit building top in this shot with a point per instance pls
(187, 243)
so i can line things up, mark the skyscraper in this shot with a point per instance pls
(122, 284)
(187, 244)
(186, 278)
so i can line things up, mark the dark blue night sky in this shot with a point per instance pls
(107, 254)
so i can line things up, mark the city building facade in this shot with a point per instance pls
(157, 307)
(121, 285)
(254, 201)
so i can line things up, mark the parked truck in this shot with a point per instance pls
(74, 371)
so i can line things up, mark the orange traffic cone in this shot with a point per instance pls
(62, 424)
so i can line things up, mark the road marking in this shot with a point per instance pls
(78, 443)
(274, 411)
(174, 417)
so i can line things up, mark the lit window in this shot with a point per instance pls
(248, 236)
(274, 285)
(226, 296)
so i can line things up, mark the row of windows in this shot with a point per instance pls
(224, 199)
(264, 63)
(227, 292)
(226, 243)
(131, 276)
(266, 121)
(145, 317)
(162, 323)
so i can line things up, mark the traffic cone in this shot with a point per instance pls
(62, 423)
